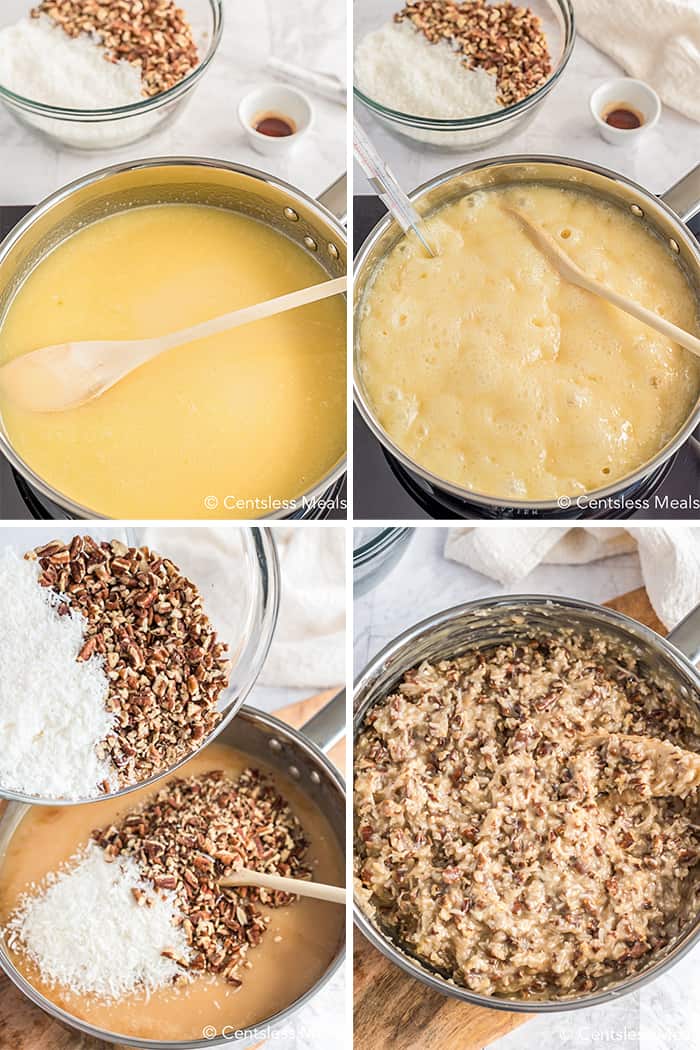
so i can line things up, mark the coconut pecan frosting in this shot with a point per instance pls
(526, 817)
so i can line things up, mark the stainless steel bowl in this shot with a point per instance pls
(666, 216)
(375, 553)
(492, 621)
(258, 605)
(297, 754)
(192, 180)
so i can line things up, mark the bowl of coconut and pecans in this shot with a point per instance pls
(114, 673)
(458, 75)
(99, 74)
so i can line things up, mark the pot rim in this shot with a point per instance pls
(362, 704)
(336, 779)
(75, 509)
(563, 502)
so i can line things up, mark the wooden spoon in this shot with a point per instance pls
(246, 877)
(567, 268)
(56, 378)
(669, 770)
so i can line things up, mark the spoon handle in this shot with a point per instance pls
(319, 890)
(648, 317)
(570, 271)
(247, 314)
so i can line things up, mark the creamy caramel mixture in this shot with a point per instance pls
(515, 829)
(298, 946)
(220, 428)
(489, 370)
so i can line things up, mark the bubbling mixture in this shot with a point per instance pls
(294, 951)
(493, 373)
(220, 428)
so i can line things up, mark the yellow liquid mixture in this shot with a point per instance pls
(297, 948)
(489, 370)
(256, 414)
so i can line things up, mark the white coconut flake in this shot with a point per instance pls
(52, 708)
(397, 67)
(85, 932)
(39, 61)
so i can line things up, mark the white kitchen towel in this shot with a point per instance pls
(670, 557)
(314, 39)
(309, 644)
(308, 648)
(653, 40)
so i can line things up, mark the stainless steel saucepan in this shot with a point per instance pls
(492, 621)
(315, 225)
(666, 216)
(298, 755)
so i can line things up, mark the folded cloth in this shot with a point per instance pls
(670, 557)
(313, 38)
(308, 648)
(653, 40)
(309, 644)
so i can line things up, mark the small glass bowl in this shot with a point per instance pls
(244, 616)
(557, 18)
(375, 553)
(103, 129)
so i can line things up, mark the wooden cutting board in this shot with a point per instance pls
(24, 1026)
(396, 1012)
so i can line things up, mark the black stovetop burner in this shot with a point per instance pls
(42, 509)
(9, 217)
(439, 505)
(19, 501)
(384, 489)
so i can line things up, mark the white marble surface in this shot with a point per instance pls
(563, 126)
(665, 1015)
(308, 32)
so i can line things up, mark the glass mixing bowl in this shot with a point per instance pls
(557, 18)
(238, 576)
(100, 129)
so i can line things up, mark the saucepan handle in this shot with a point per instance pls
(684, 196)
(686, 636)
(327, 726)
(335, 198)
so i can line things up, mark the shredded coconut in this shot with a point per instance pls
(39, 61)
(85, 931)
(397, 67)
(52, 708)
